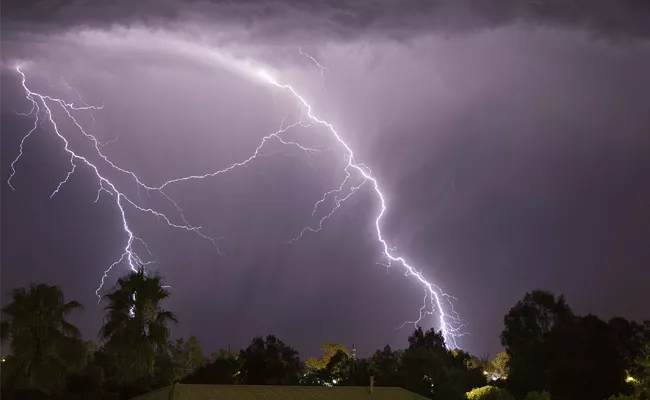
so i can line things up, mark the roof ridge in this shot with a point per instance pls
(302, 387)
(286, 386)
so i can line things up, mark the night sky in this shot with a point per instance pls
(511, 140)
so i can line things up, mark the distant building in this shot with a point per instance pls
(251, 392)
(354, 352)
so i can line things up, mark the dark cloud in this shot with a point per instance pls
(340, 20)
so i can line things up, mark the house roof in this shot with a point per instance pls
(251, 392)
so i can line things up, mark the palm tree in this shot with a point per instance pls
(136, 325)
(44, 345)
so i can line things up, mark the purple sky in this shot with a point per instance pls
(511, 141)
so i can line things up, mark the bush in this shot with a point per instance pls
(538, 396)
(489, 393)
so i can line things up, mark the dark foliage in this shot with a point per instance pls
(135, 327)
(224, 369)
(385, 367)
(427, 367)
(571, 357)
(270, 362)
(584, 361)
(549, 351)
(45, 347)
(525, 337)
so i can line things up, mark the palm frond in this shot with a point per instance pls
(165, 316)
(136, 323)
(71, 306)
(69, 329)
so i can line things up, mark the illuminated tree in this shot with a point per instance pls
(499, 365)
(328, 351)
(489, 393)
(333, 367)
(642, 379)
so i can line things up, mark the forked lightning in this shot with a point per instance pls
(357, 176)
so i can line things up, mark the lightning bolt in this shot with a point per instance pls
(435, 299)
(357, 175)
(129, 254)
(41, 104)
(318, 65)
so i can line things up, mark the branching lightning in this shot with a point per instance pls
(450, 323)
(357, 176)
(129, 255)
(319, 65)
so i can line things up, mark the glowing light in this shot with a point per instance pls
(358, 175)
(450, 323)
(129, 254)
(265, 75)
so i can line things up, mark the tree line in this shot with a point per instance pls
(549, 353)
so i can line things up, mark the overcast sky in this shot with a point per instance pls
(510, 139)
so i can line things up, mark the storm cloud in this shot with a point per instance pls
(339, 20)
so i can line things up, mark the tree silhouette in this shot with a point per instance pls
(385, 367)
(136, 325)
(223, 368)
(641, 380)
(569, 356)
(359, 373)
(584, 360)
(526, 329)
(428, 368)
(45, 347)
(430, 340)
(270, 362)
(632, 337)
(180, 359)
